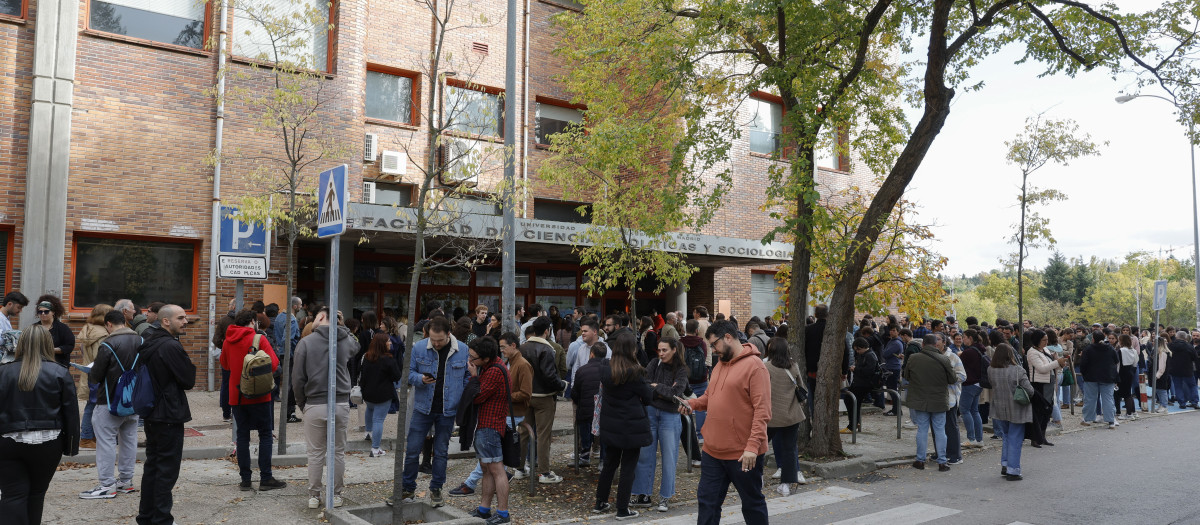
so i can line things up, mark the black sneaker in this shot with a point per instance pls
(293, 419)
(640, 500)
(602, 508)
(919, 465)
(476, 514)
(627, 515)
(425, 469)
(497, 519)
(245, 486)
(271, 484)
(462, 490)
(942, 467)
(435, 498)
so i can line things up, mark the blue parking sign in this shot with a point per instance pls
(241, 237)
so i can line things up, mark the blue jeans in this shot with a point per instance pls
(700, 415)
(715, 477)
(417, 429)
(1010, 451)
(477, 474)
(85, 425)
(1102, 393)
(665, 428)
(923, 421)
(1160, 397)
(783, 442)
(968, 403)
(376, 414)
(1185, 389)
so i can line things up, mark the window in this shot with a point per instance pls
(300, 36)
(176, 22)
(107, 269)
(393, 194)
(831, 151)
(550, 119)
(556, 280)
(561, 211)
(12, 8)
(6, 238)
(474, 111)
(764, 300)
(765, 126)
(390, 95)
(492, 278)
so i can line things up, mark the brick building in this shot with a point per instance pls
(107, 115)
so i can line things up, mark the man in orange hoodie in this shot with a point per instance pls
(739, 398)
(250, 413)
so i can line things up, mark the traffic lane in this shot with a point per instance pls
(1137, 473)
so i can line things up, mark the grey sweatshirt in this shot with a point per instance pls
(310, 377)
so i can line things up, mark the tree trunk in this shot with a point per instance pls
(1021, 261)
(798, 286)
(826, 440)
(286, 362)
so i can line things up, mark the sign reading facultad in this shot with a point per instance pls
(235, 267)
(331, 202)
(244, 247)
(1160, 295)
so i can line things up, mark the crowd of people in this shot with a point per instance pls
(642, 390)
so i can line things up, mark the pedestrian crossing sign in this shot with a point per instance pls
(331, 202)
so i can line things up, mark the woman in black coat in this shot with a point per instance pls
(624, 426)
(378, 373)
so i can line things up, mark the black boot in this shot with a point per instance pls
(427, 457)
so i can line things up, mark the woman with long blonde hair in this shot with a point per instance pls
(38, 421)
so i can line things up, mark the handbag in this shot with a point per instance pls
(596, 400)
(510, 443)
(356, 390)
(1068, 377)
(801, 394)
(1020, 396)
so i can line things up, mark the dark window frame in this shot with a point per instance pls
(20, 18)
(204, 49)
(196, 244)
(762, 96)
(415, 78)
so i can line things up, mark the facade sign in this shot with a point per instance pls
(234, 267)
(382, 218)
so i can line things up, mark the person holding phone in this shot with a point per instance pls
(667, 376)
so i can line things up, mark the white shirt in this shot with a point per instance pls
(5, 324)
(579, 353)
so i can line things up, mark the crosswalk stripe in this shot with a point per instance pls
(910, 514)
(801, 501)
(1019, 523)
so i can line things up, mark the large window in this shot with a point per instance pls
(176, 22)
(390, 95)
(561, 211)
(831, 150)
(551, 119)
(474, 111)
(765, 126)
(764, 299)
(107, 269)
(12, 8)
(292, 31)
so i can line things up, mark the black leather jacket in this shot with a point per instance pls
(51, 405)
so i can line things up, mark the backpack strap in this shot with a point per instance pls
(254, 342)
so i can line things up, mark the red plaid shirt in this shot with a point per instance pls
(493, 398)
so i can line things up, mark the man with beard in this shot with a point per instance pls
(738, 395)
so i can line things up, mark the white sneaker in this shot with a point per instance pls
(520, 474)
(800, 476)
(910, 425)
(778, 474)
(314, 503)
(377, 452)
(695, 463)
(783, 489)
(337, 501)
(663, 505)
(549, 478)
(100, 492)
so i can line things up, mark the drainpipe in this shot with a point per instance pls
(525, 121)
(215, 243)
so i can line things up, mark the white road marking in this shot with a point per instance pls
(910, 514)
(796, 502)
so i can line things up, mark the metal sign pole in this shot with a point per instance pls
(331, 399)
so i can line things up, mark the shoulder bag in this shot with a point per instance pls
(801, 394)
(356, 390)
(510, 443)
(1020, 396)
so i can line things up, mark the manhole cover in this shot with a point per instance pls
(870, 477)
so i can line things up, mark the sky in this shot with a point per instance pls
(1136, 195)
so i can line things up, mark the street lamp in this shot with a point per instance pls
(1195, 210)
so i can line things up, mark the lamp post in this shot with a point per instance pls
(1195, 210)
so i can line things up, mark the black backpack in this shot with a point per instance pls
(984, 364)
(697, 369)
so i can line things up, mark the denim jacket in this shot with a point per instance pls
(425, 359)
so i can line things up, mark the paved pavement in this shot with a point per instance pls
(207, 491)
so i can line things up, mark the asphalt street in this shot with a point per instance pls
(1140, 473)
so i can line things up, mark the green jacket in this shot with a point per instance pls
(928, 373)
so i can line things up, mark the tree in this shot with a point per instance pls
(1057, 284)
(1042, 142)
(970, 304)
(1082, 281)
(285, 95)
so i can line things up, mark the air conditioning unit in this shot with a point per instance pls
(370, 147)
(463, 160)
(368, 195)
(393, 163)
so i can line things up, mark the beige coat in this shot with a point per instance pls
(785, 410)
(1042, 367)
(90, 337)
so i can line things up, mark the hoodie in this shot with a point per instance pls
(238, 341)
(738, 401)
(310, 370)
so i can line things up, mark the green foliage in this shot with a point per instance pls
(971, 303)
(1057, 282)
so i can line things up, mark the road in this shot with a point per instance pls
(1137, 473)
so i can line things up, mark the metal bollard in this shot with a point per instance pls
(532, 457)
(853, 422)
(899, 413)
(690, 427)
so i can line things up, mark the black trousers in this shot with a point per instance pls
(164, 452)
(627, 459)
(225, 407)
(260, 417)
(27, 471)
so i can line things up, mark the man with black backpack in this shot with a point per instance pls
(695, 356)
(171, 372)
(116, 435)
(251, 363)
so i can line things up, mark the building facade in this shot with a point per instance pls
(109, 115)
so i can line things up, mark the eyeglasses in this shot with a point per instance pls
(43, 312)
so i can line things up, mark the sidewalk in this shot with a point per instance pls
(207, 490)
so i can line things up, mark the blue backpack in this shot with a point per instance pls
(143, 395)
(121, 405)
